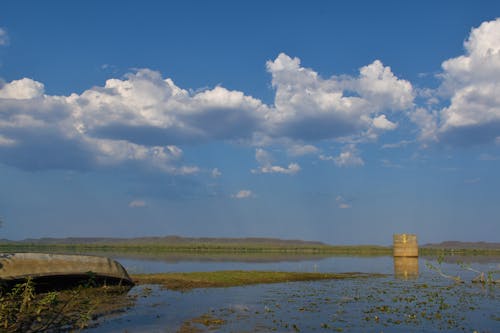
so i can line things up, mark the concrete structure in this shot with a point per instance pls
(405, 245)
(59, 269)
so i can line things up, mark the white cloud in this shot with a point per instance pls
(349, 157)
(427, 121)
(137, 204)
(263, 157)
(147, 109)
(4, 37)
(344, 206)
(383, 89)
(143, 118)
(471, 81)
(22, 89)
(265, 161)
(184, 170)
(381, 122)
(215, 173)
(292, 169)
(5, 141)
(300, 150)
(400, 144)
(326, 158)
(308, 107)
(133, 120)
(242, 194)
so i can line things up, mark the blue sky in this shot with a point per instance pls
(343, 122)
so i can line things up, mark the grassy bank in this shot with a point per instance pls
(219, 248)
(187, 281)
(199, 248)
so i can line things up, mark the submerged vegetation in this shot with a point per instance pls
(188, 281)
(23, 309)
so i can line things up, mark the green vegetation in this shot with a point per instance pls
(201, 323)
(22, 309)
(431, 251)
(187, 281)
(481, 277)
(175, 244)
(252, 248)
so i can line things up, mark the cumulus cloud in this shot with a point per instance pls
(22, 89)
(242, 194)
(138, 119)
(308, 107)
(45, 132)
(4, 37)
(265, 161)
(146, 109)
(381, 122)
(137, 204)
(471, 81)
(348, 157)
(144, 118)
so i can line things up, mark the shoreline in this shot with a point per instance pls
(237, 249)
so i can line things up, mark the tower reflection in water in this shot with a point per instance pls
(406, 268)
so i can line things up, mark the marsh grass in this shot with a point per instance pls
(22, 309)
(218, 279)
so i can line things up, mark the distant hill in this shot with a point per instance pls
(463, 245)
(190, 244)
(166, 240)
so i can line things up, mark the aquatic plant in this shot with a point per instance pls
(482, 277)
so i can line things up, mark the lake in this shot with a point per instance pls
(411, 298)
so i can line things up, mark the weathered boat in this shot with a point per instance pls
(57, 271)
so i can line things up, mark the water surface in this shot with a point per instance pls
(403, 301)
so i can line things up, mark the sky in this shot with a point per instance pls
(335, 121)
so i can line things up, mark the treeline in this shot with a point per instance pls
(176, 244)
(182, 244)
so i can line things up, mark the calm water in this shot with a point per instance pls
(412, 298)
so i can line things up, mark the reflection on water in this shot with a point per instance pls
(401, 268)
(414, 299)
(406, 268)
(352, 305)
(291, 263)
